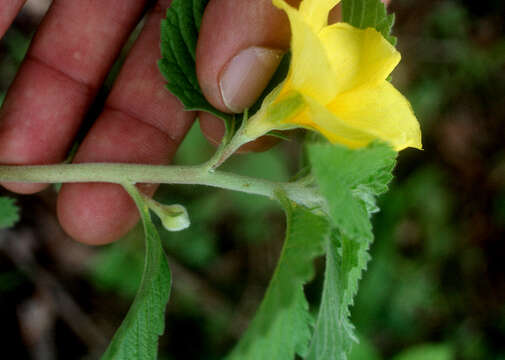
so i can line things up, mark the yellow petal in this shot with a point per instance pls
(316, 12)
(358, 56)
(319, 118)
(381, 111)
(310, 71)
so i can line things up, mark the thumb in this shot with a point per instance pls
(240, 45)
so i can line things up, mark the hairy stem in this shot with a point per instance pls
(133, 173)
(231, 143)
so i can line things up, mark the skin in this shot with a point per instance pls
(141, 122)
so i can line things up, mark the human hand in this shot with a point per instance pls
(239, 49)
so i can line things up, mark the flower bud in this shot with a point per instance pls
(173, 217)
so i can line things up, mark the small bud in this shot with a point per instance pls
(173, 217)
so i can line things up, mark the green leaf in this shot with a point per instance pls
(179, 36)
(334, 333)
(369, 13)
(281, 327)
(137, 337)
(349, 180)
(9, 212)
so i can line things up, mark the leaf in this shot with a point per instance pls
(369, 13)
(349, 180)
(179, 36)
(9, 212)
(281, 327)
(334, 333)
(137, 337)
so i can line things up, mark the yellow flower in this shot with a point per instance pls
(337, 84)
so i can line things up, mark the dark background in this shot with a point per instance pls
(435, 288)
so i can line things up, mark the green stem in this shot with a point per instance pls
(212, 164)
(236, 142)
(133, 173)
(230, 145)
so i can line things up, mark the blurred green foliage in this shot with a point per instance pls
(425, 352)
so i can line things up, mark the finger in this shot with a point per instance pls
(141, 123)
(239, 48)
(8, 11)
(213, 129)
(70, 56)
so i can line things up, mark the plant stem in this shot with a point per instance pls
(133, 173)
(235, 143)
(212, 164)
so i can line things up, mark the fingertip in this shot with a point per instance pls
(96, 214)
(213, 129)
(246, 75)
(239, 48)
(261, 144)
(24, 188)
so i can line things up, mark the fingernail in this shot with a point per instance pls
(246, 76)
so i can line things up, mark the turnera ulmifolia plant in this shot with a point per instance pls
(337, 85)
